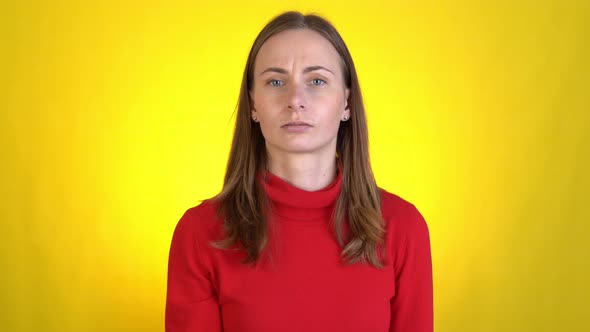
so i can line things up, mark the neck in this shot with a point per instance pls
(304, 171)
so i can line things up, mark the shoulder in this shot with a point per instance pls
(200, 221)
(402, 217)
(207, 209)
(406, 232)
(393, 205)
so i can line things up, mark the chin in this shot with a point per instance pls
(301, 149)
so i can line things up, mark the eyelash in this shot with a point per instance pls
(275, 82)
(318, 79)
(272, 82)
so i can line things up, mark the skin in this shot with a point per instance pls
(299, 98)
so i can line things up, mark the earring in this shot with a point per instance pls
(345, 118)
(254, 118)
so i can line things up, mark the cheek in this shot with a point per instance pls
(332, 105)
(267, 121)
(333, 98)
(264, 103)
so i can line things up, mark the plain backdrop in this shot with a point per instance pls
(116, 117)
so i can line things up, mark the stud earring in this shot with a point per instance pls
(254, 118)
(345, 118)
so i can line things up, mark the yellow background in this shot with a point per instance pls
(116, 118)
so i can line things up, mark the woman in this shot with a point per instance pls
(300, 238)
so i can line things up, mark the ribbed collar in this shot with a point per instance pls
(290, 202)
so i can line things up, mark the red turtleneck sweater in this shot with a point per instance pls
(305, 286)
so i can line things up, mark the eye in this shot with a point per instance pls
(275, 82)
(318, 81)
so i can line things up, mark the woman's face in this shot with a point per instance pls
(299, 96)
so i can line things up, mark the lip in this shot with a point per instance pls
(297, 123)
(296, 126)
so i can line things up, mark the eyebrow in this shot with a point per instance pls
(306, 70)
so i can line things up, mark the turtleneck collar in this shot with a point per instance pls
(290, 202)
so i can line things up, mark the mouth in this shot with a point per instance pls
(296, 124)
(296, 127)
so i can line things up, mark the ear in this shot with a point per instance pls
(252, 106)
(346, 96)
(346, 112)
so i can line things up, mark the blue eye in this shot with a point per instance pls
(275, 82)
(318, 81)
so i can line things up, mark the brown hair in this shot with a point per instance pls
(243, 204)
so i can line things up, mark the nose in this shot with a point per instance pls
(296, 100)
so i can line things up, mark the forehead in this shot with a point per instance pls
(303, 47)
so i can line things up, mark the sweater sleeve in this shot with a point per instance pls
(191, 299)
(412, 306)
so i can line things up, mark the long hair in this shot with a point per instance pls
(243, 204)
